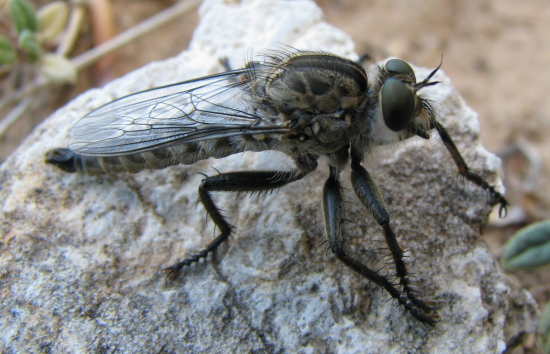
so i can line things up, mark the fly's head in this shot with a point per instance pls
(402, 109)
(316, 94)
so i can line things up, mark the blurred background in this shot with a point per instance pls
(496, 52)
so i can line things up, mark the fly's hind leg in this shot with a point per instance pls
(465, 171)
(246, 181)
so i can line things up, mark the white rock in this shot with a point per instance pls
(82, 256)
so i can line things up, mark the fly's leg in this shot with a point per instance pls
(465, 171)
(333, 208)
(246, 181)
(366, 190)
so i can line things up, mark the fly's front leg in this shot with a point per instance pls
(333, 210)
(464, 170)
(248, 181)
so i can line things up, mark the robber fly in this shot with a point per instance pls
(303, 104)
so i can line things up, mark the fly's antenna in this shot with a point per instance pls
(426, 82)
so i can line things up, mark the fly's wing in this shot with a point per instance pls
(206, 108)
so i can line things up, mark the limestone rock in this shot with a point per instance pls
(82, 256)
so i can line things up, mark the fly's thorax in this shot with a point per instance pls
(316, 94)
(315, 83)
(319, 133)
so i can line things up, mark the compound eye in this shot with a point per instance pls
(398, 66)
(397, 104)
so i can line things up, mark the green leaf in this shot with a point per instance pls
(23, 16)
(27, 41)
(543, 331)
(528, 248)
(7, 53)
(52, 19)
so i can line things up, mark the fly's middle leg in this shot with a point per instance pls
(369, 195)
(246, 181)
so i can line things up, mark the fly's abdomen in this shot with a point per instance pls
(187, 154)
(70, 161)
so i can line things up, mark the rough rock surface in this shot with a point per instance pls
(81, 256)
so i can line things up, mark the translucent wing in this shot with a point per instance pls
(206, 108)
